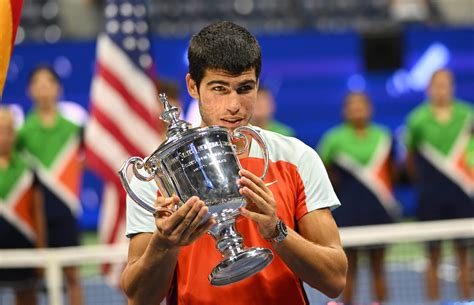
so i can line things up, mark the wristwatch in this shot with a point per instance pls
(282, 232)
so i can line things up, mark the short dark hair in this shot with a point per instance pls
(224, 46)
(44, 67)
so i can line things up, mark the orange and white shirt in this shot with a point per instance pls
(302, 187)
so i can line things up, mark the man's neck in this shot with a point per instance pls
(261, 123)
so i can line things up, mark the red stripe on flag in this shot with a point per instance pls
(147, 114)
(117, 84)
(112, 128)
(16, 13)
(97, 163)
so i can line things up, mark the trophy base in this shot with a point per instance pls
(240, 266)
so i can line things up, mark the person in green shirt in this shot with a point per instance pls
(53, 145)
(22, 223)
(438, 137)
(264, 111)
(358, 155)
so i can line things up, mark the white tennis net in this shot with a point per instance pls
(404, 265)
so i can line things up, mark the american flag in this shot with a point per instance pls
(10, 11)
(124, 109)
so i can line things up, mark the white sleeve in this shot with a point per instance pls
(138, 219)
(317, 186)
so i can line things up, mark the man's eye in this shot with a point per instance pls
(244, 89)
(218, 89)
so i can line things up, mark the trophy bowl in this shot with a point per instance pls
(203, 162)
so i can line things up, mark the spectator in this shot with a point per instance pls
(358, 155)
(22, 223)
(53, 145)
(437, 139)
(264, 111)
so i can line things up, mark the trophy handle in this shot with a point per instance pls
(238, 133)
(138, 163)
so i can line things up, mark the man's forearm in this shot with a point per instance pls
(147, 279)
(322, 267)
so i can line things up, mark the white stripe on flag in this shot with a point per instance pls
(108, 211)
(113, 105)
(137, 83)
(104, 145)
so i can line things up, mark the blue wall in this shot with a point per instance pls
(310, 73)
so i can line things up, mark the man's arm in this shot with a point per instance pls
(149, 271)
(152, 257)
(316, 256)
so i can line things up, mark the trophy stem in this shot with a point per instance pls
(229, 241)
(238, 263)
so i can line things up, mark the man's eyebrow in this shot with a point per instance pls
(217, 82)
(247, 82)
(224, 83)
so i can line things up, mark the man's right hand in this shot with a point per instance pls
(183, 226)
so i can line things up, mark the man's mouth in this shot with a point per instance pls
(232, 122)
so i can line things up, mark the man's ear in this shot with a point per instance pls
(193, 90)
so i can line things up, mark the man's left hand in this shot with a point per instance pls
(261, 205)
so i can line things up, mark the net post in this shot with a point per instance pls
(54, 281)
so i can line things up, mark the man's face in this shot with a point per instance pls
(440, 90)
(224, 99)
(7, 133)
(44, 89)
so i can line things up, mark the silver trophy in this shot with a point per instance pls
(203, 162)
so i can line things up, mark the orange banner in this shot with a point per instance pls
(9, 19)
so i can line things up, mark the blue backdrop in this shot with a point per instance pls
(309, 72)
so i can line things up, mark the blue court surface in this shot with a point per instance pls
(405, 287)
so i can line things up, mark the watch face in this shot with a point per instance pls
(282, 231)
(283, 228)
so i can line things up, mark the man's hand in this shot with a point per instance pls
(184, 226)
(261, 205)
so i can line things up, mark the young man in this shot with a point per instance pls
(22, 223)
(358, 154)
(172, 256)
(52, 144)
(438, 137)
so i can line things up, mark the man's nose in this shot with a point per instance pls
(233, 103)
